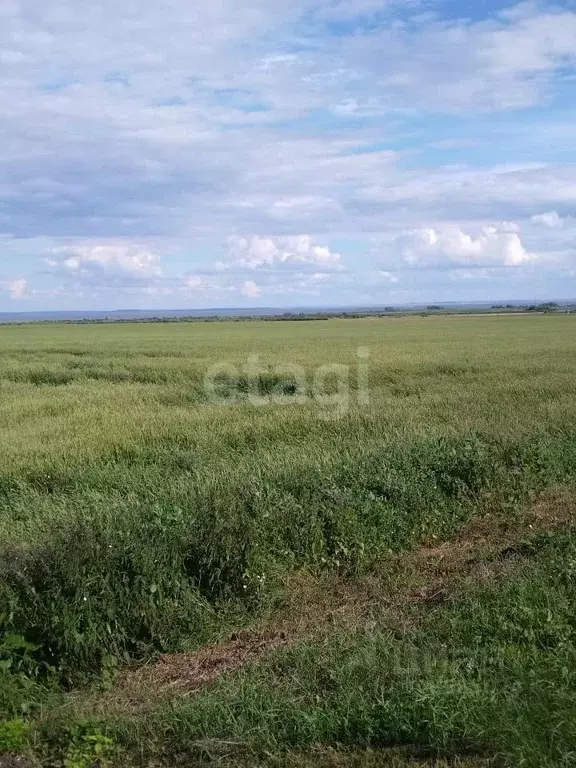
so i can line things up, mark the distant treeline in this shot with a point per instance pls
(287, 316)
(432, 309)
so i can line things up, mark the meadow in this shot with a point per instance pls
(340, 542)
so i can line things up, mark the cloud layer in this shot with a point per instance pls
(285, 152)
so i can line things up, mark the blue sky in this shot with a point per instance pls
(264, 153)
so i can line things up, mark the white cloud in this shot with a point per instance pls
(194, 283)
(16, 289)
(453, 245)
(250, 289)
(550, 219)
(106, 263)
(389, 277)
(257, 252)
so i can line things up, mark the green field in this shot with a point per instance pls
(334, 542)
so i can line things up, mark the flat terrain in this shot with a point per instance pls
(334, 543)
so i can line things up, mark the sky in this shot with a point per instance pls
(216, 153)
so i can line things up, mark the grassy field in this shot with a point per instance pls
(334, 543)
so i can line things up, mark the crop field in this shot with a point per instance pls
(310, 543)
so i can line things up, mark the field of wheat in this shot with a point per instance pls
(367, 521)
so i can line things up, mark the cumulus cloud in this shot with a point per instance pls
(106, 264)
(250, 289)
(257, 252)
(16, 289)
(452, 245)
(389, 277)
(550, 219)
(194, 282)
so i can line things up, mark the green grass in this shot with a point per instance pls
(138, 517)
(492, 673)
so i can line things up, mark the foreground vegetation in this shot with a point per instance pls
(141, 516)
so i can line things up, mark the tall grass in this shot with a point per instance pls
(489, 674)
(137, 516)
